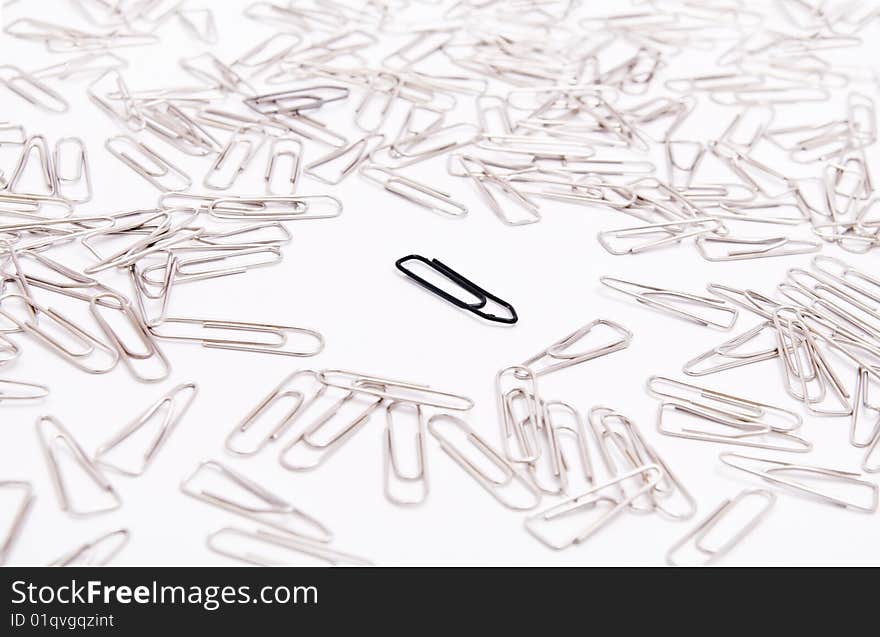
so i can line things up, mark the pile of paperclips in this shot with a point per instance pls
(567, 107)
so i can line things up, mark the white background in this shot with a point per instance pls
(338, 276)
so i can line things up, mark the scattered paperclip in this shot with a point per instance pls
(272, 511)
(19, 518)
(698, 534)
(97, 552)
(467, 287)
(53, 434)
(778, 472)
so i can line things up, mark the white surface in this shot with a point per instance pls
(338, 276)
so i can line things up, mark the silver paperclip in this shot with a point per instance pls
(393, 472)
(558, 355)
(860, 405)
(309, 442)
(525, 430)
(60, 436)
(273, 511)
(775, 471)
(275, 337)
(79, 353)
(7, 541)
(236, 141)
(590, 501)
(285, 390)
(674, 301)
(97, 552)
(131, 357)
(265, 540)
(397, 390)
(508, 475)
(358, 151)
(745, 409)
(34, 91)
(733, 429)
(414, 191)
(155, 168)
(170, 408)
(699, 533)
(281, 148)
(81, 179)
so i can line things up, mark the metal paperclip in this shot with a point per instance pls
(34, 91)
(308, 440)
(62, 436)
(277, 152)
(524, 430)
(559, 357)
(160, 167)
(395, 390)
(360, 150)
(299, 208)
(860, 405)
(698, 533)
(235, 141)
(590, 501)
(84, 555)
(81, 178)
(560, 463)
(733, 430)
(393, 473)
(657, 235)
(738, 249)
(217, 74)
(774, 469)
(746, 409)
(274, 343)
(129, 356)
(651, 296)
(47, 165)
(173, 412)
(414, 191)
(88, 344)
(284, 390)
(466, 286)
(485, 176)
(267, 540)
(19, 518)
(273, 511)
(508, 476)
(21, 390)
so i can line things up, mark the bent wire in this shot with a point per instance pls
(19, 517)
(784, 473)
(497, 485)
(395, 477)
(90, 553)
(168, 410)
(558, 355)
(710, 554)
(272, 510)
(390, 389)
(60, 436)
(729, 429)
(275, 339)
(675, 302)
(590, 501)
(470, 288)
(266, 540)
(301, 399)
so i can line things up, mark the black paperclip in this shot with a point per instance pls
(482, 295)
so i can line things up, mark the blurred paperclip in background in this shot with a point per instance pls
(651, 301)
